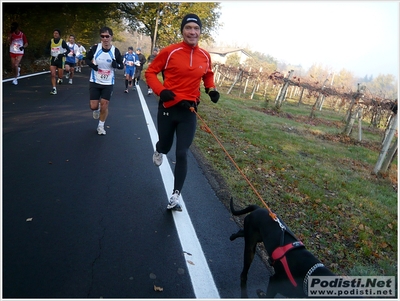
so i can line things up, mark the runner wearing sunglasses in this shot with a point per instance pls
(103, 58)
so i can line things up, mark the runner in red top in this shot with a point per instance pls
(183, 65)
(18, 41)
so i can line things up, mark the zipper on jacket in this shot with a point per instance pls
(191, 58)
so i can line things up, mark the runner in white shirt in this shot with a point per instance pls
(18, 42)
(103, 58)
(81, 57)
(70, 60)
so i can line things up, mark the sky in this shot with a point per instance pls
(359, 36)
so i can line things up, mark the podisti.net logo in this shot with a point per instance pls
(352, 286)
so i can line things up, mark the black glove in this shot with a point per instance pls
(187, 104)
(214, 95)
(21, 48)
(166, 95)
(117, 65)
(93, 66)
(60, 56)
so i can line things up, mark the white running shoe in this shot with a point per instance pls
(174, 202)
(157, 158)
(15, 81)
(70, 81)
(53, 91)
(59, 81)
(149, 91)
(101, 130)
(67, 75)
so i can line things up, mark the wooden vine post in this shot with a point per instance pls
(282, 94)
(319, 100)
(237, 77)
(385, 147)
(392, 151)
(353, 110)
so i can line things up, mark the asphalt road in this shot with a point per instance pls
(84, 216)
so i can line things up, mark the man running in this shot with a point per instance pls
(130, 61)
(18, 42)
(57, 48)
(70, 60)
(103, 58)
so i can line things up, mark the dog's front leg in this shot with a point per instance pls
(243, 291)
(275, 285)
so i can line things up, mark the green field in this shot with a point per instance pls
(318, 181)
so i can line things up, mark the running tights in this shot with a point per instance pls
(181, 122)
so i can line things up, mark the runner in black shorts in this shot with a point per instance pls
(71, 59)
(102, 58)
(97, 91)
(57, 48)
(55, 61)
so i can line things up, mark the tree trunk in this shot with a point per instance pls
(153, 43)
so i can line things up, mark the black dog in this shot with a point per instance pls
(292, 262)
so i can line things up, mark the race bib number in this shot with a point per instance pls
(55, 51)
(130, 63)
(16, 47)
(103, 74)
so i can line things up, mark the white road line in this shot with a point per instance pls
(25, 76)
(200, 274)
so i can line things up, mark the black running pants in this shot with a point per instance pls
(181, 122)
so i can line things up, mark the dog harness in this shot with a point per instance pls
(279, 254)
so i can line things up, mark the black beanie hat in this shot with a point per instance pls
(190, 18)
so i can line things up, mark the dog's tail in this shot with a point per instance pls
(243, 211)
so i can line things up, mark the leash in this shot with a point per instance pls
(208, 130)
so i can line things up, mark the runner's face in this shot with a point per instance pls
(72, 40)
(106, 39)
(191, 33)
(56, 35)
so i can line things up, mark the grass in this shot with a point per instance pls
(317, 180)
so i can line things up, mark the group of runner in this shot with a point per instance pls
(69, 56)
(183, 66)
